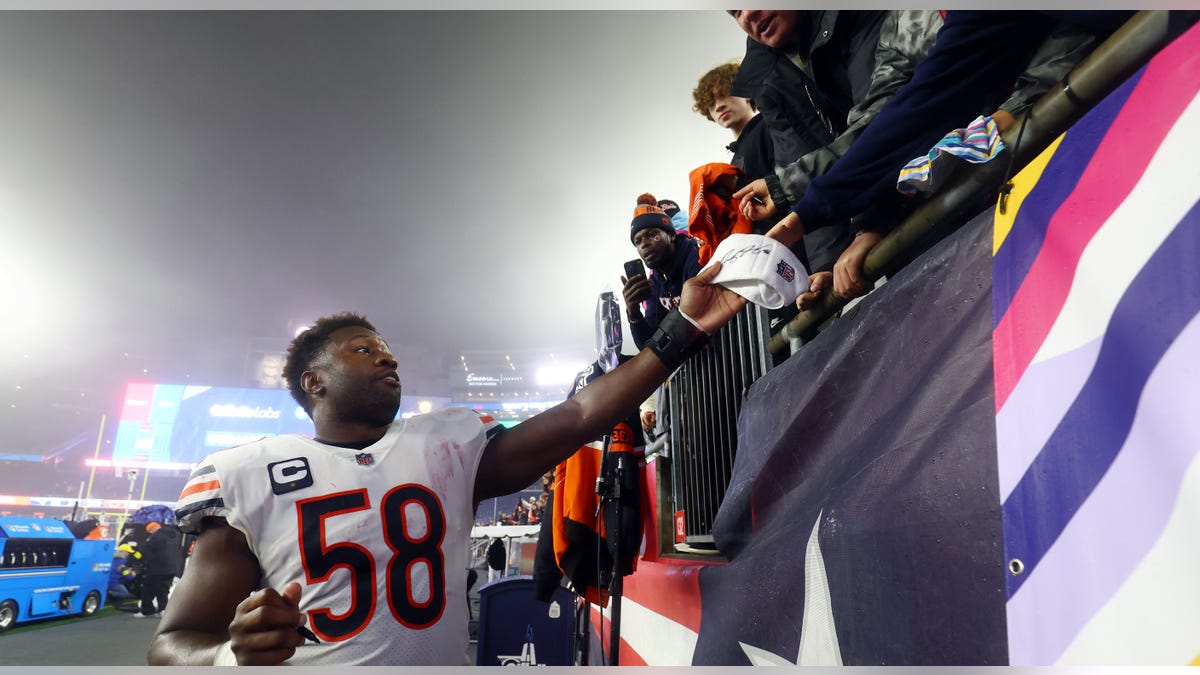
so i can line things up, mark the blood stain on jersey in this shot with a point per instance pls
(441, 465)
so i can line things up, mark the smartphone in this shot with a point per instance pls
(633, 267)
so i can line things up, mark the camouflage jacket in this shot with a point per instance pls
(905, 37)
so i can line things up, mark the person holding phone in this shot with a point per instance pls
(673, 258)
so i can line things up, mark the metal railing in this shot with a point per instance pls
(704, 397)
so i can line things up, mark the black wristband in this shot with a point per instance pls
(676, 340)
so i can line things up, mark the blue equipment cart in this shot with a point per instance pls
(46, 572)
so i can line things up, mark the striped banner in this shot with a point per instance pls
(1096, 346)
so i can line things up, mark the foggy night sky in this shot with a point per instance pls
(179, 186)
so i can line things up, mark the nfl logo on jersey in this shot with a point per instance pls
(364, 459)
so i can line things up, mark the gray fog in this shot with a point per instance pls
(180, 191)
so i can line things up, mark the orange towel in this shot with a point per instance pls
(714, 215)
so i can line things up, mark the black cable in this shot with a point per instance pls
(1007, 187)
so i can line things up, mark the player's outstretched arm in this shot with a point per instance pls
(215, 603)
(516, 458)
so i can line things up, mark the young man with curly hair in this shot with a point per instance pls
(712, 100)
(348, 548)
(751, 146)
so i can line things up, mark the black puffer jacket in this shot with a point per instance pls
(805, 109)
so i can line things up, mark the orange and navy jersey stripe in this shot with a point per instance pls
(201, 495)
(491, 428)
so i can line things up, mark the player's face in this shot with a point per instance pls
(361, 379)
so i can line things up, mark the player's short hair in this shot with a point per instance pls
(712, 84)
(307, 347)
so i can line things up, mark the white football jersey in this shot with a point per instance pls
(376, 537)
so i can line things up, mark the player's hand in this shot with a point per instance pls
(849, 281)
(636, 289)
(756, 202)
(648, 419)
(710, 305)
(263, 631)
(817, 283)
